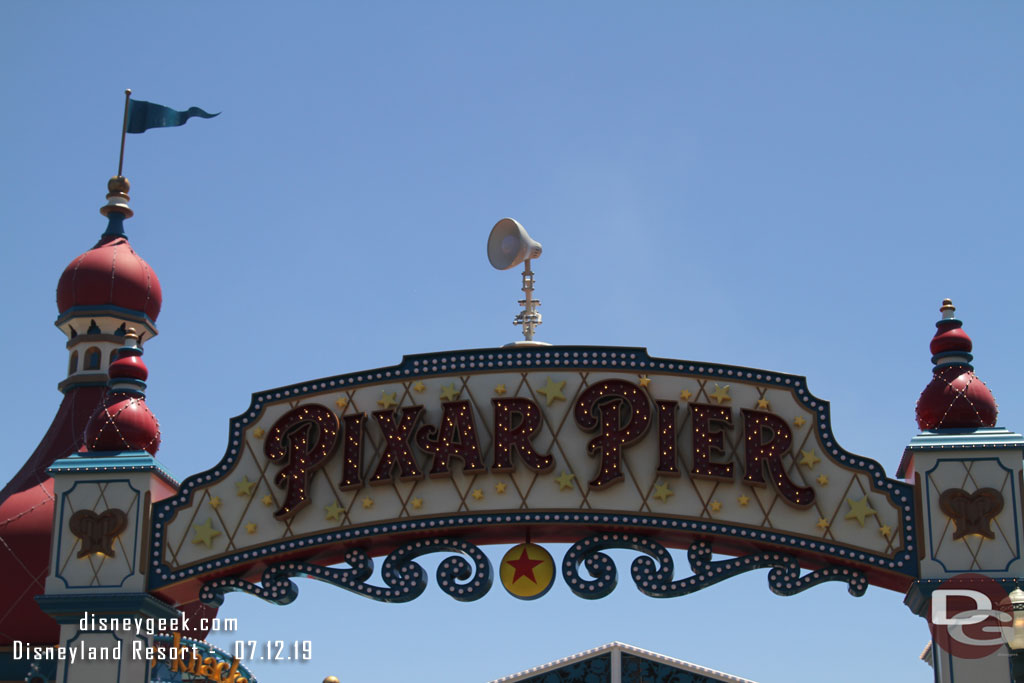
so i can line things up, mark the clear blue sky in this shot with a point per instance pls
(786, 185)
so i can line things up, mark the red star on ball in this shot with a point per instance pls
(524, 567)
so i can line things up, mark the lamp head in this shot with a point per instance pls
(510, 244)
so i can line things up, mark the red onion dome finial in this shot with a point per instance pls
(955, 398)
(111, 273)
(122, 421)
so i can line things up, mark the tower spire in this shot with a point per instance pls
(955, 398)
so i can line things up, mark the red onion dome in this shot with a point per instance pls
(111, 273)
(955, 398)
(122, 421)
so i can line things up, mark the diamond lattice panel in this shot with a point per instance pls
(788, 483)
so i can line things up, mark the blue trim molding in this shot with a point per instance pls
(68, 609)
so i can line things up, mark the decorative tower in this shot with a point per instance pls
(103, 496)
(967, 481)
(100, 294)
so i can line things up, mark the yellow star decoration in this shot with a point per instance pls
(205, 533)
(553, 391)
(799, 421)
(685, 395)
(367, 503)
(645, 381)
(809, 459)
(387, 400)
(662, 492)
(564, 481)
(250, 528)
(500, 487)
(267, 500)
(721, 394)
(258, 432)
(342, 403)
(859, 510)
(885, 530)
(478, 494)
(333, 511)
(822, 523)
(715, 506)
(215, 502)
(245, 486)
(417, 503)
(449, 392)
(743, 500)
(762, 404)
(500, 390)
(823, 480)
(419, 387)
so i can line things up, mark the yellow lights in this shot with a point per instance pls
(419, 387)
(685, 395)
(342, 403)
(564, 481)
(822, 523)
(645, 381)
(500, 390)
(823, 480)
(367, 503)
(417, 503)
(715, 506)
(259, 432)
(267, 500)
(478, 494)
(500, 487)
(387, 400)
(743, 500)
(215, 502)
(799, 421)
(762, 404)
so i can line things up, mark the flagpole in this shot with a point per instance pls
(124, 129)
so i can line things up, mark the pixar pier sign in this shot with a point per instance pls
(494, 445)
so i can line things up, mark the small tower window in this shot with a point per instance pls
(92, 359)
(73, 363)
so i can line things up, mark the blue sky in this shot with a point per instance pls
(790, 185)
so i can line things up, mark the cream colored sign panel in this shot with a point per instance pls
(589, 430)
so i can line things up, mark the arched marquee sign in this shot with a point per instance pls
(594, 446)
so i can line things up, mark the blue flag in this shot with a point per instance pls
(145, 115)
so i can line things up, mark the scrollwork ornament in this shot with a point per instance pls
(653, 571)
(463, 579)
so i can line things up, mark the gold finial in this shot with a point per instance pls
(119, 184)
(331, 679)
(117, 197)
(947, 309)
